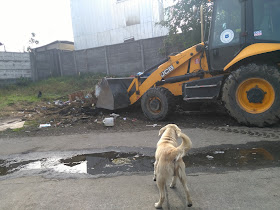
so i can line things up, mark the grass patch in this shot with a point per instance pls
(18, 129)
(25, 93)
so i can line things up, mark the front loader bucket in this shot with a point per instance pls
(113, 93)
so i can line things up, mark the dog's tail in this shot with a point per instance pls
(184, 147)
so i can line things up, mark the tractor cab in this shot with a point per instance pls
(238, 24)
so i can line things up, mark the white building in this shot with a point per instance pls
(106, 22)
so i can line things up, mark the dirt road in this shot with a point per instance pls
(228, 167)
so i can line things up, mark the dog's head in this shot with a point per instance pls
(171, 126)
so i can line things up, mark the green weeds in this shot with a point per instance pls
(26, 92)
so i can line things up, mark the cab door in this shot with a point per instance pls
(227, 33)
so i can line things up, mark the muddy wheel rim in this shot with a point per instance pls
(255, 95)
(154, 105)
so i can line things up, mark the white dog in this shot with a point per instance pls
(169, 161)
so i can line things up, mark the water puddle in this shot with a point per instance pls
(209, 159)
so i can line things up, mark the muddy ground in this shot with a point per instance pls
(82, 117)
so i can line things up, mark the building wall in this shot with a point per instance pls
(60, 46)
(14, 65)
(99, 23)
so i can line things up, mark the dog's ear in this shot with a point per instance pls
(161, 131)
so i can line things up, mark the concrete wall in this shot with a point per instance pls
(121, 59)
(14, 65)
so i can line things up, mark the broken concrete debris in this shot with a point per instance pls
(79, 95)
(114, 115)
(11, 124)
(209, 157)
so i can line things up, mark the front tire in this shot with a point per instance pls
(251, 95)
(157, 103)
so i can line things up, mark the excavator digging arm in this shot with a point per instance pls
(166, 71)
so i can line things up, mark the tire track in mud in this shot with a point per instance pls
(267, 133)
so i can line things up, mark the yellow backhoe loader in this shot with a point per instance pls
(239, 65)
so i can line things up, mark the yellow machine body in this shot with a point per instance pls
(185, 62)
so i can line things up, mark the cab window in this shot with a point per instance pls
(227, 25)
(266, 20)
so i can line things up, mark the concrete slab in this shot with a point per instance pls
(11, 124)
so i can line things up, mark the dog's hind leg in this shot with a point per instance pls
(161, 188)
(173, 182)
(155, 171)
(183, 179)
(174, 178)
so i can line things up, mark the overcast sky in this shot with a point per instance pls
(50, 20)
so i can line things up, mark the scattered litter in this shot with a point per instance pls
(219, 152)
(254, 153)
(97, 90)
(45, 125)
(95, 121)
(124, 118)
(88, 95)
(134, 120)
(58, 103)
(121, 161)
(154, 125)
(210, 157)
(109, 121)
(114, 115)
(136, 156)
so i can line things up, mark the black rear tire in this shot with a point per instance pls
(157, 103)
(271, 113)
